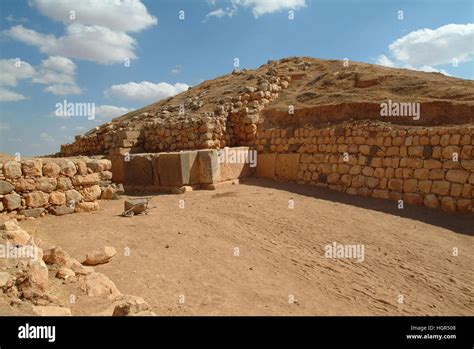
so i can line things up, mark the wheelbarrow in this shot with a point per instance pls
(136, 206)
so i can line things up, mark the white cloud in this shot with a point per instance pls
(220, 13)
(431, 47)
(124, 16)
(110, 111)
(12, 70)
(262, 7)
(58, 72)
(7, 95)
(4, 126)
(63, 89)
(46, 137)
(93, 43)
(145, 91)
(424, 49)
(258, 7)
(385, 61)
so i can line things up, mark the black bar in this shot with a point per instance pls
(314, 331)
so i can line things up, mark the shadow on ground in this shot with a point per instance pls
(458, 223)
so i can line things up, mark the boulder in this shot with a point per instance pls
(64, 183)
(56, 255)
(99, 285)
(91, 193)
(32, 212)
(6, 187)
(61, 210)
(57, 198)
(131, 306)
(36, 199)
(73, 196)
(100, 256)
(52, 170)
(65, 273)
(32, 168)
(46, 184)
(86, 206)
(12, 201)
(12, 169)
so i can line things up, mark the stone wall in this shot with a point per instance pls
(431, 166)
(35, 187)
(233, 121)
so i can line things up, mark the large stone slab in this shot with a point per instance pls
(139, 170)
(177, 168)
(209, 169)
(236, 162)
(117, 168)
(266, 165)
(287, 166)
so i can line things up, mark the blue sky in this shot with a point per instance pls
(81, 58)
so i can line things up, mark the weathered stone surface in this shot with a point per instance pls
(99, 285)
(64, 183)
(56, 255)
(12, 201)
(46, 184)
(440, 187)
(286, 167)
(73, 196)
(90, 179)
(32, 212)
(448, 204)
(6, 187)
(458, 176)
(51, 169)
(25, 184)
(131, 306)
(65, 273)
(266, 165)
(61, 210)
(12, 169)
(57, 198)
(100, 256)
(138, 170)
(431, 201)
(36, 199)
(86, 207)
(32, 168)
(11, 232)
(209, 169)
(35, 278)
(68, 168)
(91, 193)
(99, 165)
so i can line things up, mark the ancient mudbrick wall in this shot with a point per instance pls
(33, 188)
(431, 166)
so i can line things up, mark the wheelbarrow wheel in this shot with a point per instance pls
(128, 213)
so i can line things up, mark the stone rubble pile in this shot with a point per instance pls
(30, 282)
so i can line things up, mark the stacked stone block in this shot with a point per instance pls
(431, 166)
(35, 187)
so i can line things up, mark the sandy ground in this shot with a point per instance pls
(188, 254)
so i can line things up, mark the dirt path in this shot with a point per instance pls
(190, 252)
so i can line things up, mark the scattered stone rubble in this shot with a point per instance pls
(33, 284)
